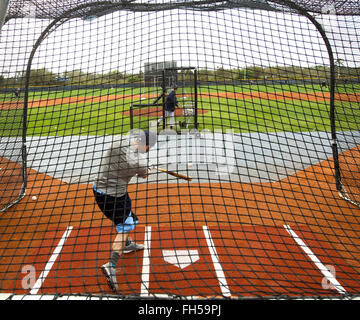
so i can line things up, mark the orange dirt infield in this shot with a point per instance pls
(307, 198)
(350, 172)
(10, 181)
(310, 96)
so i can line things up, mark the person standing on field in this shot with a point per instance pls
(122, 161)
(171, 104)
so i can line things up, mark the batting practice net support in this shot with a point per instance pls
(252, 194)
(146, 116)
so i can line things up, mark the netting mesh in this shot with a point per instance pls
(12, 168)
(266, 127)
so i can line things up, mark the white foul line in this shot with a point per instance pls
(217, 266)
(51, 261)
(145, 274)
(325, 271)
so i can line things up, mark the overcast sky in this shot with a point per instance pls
(124, 41)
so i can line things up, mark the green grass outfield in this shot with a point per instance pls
(239, 115)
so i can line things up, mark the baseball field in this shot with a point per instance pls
(228, 238)
(243, 109)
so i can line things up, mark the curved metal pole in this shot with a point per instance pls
(332, 84)
(108, 5)
(66, 16)
(4, 4)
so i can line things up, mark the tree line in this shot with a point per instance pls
(45, 77)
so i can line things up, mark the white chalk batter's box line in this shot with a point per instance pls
(183, 258)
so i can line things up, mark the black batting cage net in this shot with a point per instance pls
(180, 149)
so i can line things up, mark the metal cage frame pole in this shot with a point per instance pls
(4, 5)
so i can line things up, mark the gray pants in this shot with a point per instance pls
(170, 114)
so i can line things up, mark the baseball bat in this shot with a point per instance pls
(174, 174)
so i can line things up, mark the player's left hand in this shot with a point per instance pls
(146, 175)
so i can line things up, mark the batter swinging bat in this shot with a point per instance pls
(175, 174)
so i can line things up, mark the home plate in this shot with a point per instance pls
(181, 258)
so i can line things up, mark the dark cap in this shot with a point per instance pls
(147, 138)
